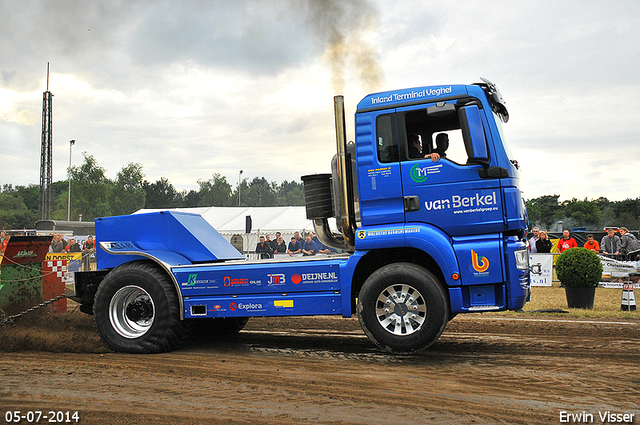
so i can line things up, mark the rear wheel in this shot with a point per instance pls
(136, 310)
(402, 308)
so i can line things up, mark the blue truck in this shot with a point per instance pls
(421, 239)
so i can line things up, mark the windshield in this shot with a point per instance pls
(505, 143)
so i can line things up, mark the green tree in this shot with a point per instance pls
(627, 213)
(260, 193)
(192, 199)
(583, 213)
(161, 194)
(29, 194)
(89, 191)
(544, 210)
(14, 214)
(290, 193)
(128, 194)
(215, 192)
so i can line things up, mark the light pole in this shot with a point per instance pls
(239, 185)
(71, 143)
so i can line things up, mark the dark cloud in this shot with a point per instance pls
(258, 37)
(123, 43)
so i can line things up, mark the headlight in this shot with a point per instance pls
(522, 259)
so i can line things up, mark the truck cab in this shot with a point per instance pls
(461, 216)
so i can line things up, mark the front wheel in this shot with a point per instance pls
(402, 308)
(136, 310)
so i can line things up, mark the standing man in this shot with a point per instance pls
(566, 242)
(628, 242)
(274, 242)
(610, 244)
(73, 246)
(264, 248)
(89, 244)
(309, 247)
(294, 247)
(58, 244)
(592, 245)
(533, 240)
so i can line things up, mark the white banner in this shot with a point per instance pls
(546, 267)
(616, 273)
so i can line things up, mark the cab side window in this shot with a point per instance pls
(386, 138)
(440, 134)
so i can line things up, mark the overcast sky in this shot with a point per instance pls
(192, 88)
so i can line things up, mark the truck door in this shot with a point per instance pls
(379, 177)
(449, 193)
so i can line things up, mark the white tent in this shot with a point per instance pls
(230, 222)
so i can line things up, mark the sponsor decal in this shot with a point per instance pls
(72, 256)
(283, 303)
(217, 307)
(120, 246)
(392, 232)
(193, 280)
(25, 253)
(379, 172)
(245, 306)
(276, 279)
(480, 264)
(413, 94)
(420, 174)
(362, 234)
(229, 281)
(465, 204)
(305, 278)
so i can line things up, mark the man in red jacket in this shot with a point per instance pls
(566, 242)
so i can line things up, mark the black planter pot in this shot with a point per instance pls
(580, 297)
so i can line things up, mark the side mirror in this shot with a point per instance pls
(475, 141)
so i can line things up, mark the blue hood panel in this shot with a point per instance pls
(186, 235)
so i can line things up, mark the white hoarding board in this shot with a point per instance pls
(546, 267)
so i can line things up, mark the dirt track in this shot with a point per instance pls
(485, 369)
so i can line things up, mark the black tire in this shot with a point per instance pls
(402, 308)
(136, 310)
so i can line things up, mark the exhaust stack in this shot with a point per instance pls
(328, 195)
(344, 163)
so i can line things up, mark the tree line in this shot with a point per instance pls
(595, 214)
(94, 195)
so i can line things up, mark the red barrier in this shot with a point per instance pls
(53, 273)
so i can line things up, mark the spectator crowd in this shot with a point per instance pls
(623, 247)
(298, 246)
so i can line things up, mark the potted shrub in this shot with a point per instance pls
(580, 271)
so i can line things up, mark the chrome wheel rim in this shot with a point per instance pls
(131, 311)
(401, 309)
